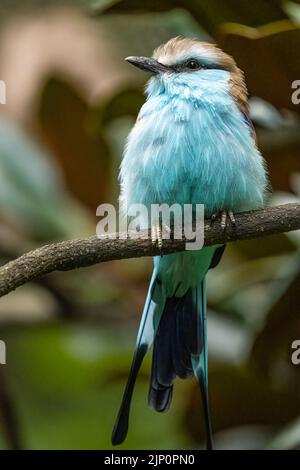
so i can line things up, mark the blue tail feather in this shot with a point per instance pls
(145, 337)
(200, 361)
(180, 349)
(177, 327)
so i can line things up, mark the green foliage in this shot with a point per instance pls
(31, 190)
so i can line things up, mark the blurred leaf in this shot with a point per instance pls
(209, 13)
(288, 438)
(240, 276)
(281, 151)
(41, 45)
(129, 6)
(264, 114)
(265, 52)
(282, 325)
(268, 246)
(122, 104)
(83, 156)
(68, 383)
(31, 189)
(239, 397)
(293, 10)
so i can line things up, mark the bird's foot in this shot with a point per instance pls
(223, 216)
(156, 235)
(159, 232)
(232, 218)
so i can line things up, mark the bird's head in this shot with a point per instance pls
(192, 64)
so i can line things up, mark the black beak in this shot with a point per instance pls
(148, 64)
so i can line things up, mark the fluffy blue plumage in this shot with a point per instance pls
(192, 144)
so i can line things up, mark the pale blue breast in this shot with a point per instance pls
(192, 145)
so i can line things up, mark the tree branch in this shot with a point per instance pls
(73, 254)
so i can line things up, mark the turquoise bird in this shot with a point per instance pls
(193, 143)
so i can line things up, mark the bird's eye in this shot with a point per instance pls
(193, 64)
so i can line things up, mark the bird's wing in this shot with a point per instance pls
(239, 93)
(147, 330)
(249, 123)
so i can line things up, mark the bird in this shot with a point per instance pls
(193, 143)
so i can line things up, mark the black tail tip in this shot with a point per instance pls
(116, 440)
(160, 400)
(119, 433)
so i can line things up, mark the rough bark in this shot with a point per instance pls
(71, 254)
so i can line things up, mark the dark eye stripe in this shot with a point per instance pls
(184, 66)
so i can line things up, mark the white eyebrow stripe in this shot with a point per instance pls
(203, 54)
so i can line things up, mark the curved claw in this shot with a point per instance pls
(231, 217)
(158, 233)
(223, 215)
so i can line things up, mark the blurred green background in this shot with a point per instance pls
(71, 100)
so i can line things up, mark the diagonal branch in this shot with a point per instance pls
(73, 254)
